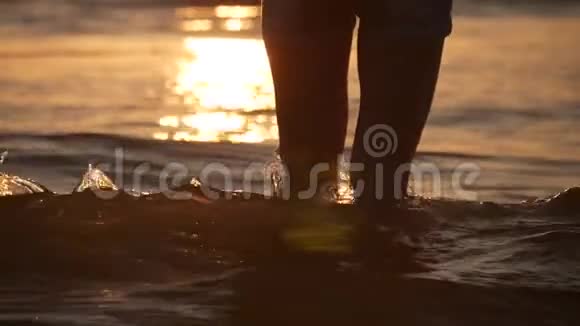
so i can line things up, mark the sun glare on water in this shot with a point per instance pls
(223, 80)
(222, 73)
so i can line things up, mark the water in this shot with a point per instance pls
(137, 90)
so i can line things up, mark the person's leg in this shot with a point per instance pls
(400, 48)
(309, 43)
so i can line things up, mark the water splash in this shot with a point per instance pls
(11, 185)
(276, 171)
(95, 180)
(344, 192)
(339, 191)
(14, 186)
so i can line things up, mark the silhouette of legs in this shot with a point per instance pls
(398, 79)
(400, 47)
(309, 44)
(399, 51)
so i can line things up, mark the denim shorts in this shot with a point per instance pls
(385, 18)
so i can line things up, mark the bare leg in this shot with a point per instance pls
(309, 44)
(398, 71)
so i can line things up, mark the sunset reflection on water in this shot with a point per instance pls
(222, 79)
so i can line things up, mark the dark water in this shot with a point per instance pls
(147, 260)
(153, 93)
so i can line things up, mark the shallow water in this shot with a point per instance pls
(132, 88)
(146, 78)
(98, 257)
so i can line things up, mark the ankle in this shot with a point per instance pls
(309, 179)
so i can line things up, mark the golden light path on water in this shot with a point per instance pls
(224, 82)
(226, 73)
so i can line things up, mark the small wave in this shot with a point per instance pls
(565, 236)
(565, 203)
(99, 224)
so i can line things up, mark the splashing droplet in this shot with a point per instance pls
(95, 180)
(195, 183)
(277, 173)
(11, 185)
(344, 192)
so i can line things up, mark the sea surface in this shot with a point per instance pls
(104, 104)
